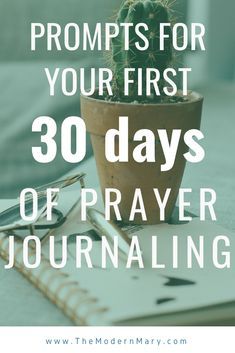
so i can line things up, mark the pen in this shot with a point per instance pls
(108, 229)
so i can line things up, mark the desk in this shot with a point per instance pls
(217, 171)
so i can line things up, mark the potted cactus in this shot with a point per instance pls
(148, 111)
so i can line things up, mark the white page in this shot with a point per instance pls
(132, 293)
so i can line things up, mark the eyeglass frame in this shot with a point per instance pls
(41, 191)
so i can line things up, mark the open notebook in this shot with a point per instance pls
(135, 296)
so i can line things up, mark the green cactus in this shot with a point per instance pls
(152, 13)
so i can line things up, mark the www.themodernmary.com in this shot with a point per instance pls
(128, 341)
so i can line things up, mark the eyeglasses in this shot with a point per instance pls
(12, 223)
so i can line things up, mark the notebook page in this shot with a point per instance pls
(133, 293)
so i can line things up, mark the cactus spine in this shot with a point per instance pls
(152, 13)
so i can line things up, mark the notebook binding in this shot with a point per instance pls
(72, 288)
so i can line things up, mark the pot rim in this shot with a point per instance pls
(193, 95)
